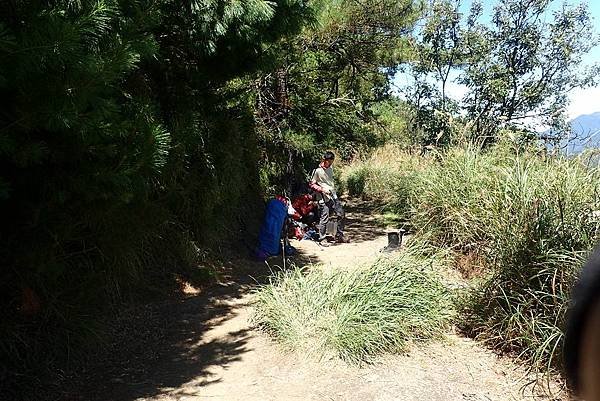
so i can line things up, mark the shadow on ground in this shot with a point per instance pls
(157, 347)
(362, 224)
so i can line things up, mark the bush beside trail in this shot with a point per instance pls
(527, 217)
(387, 176)
(123, 143)
(360, 312)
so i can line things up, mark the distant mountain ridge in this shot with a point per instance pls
(585, 133)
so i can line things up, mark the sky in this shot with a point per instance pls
(582, 101)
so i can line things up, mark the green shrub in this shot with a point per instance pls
(448, 205)
(527, 217)
(357, 313)
(540, 228)
(387, 176)
(523, 312)
(356, 181)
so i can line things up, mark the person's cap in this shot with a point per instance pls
(328, 156)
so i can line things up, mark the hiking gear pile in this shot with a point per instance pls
(298, 218)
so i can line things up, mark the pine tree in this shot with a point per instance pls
(117, 122)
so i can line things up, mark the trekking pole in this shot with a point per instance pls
(285, 229)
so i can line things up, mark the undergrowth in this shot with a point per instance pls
(358, 313)
(527, 217)
(386, 176)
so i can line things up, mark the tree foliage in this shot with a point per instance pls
(122, 145)
(328, 78)
(518, 69)
(440, 48)
(133, 133)
(522, 67)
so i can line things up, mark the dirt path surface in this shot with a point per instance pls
(205, 348)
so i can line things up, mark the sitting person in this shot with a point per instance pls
(306, 209)
(322, 183)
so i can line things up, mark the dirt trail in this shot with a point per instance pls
(215, 354)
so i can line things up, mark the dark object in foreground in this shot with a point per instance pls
(581, 350)
(394, 240)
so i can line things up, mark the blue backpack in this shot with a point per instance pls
(270, 231)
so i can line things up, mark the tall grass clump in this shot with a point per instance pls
(387, 175)
(529, 219)
(358, 313)
(449, 198)
(540, 226)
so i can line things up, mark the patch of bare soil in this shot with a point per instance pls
(469, 265)
(208, 350)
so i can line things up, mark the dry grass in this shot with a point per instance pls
(524, 221)
(358, 312)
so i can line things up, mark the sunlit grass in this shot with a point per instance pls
(357, 313)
